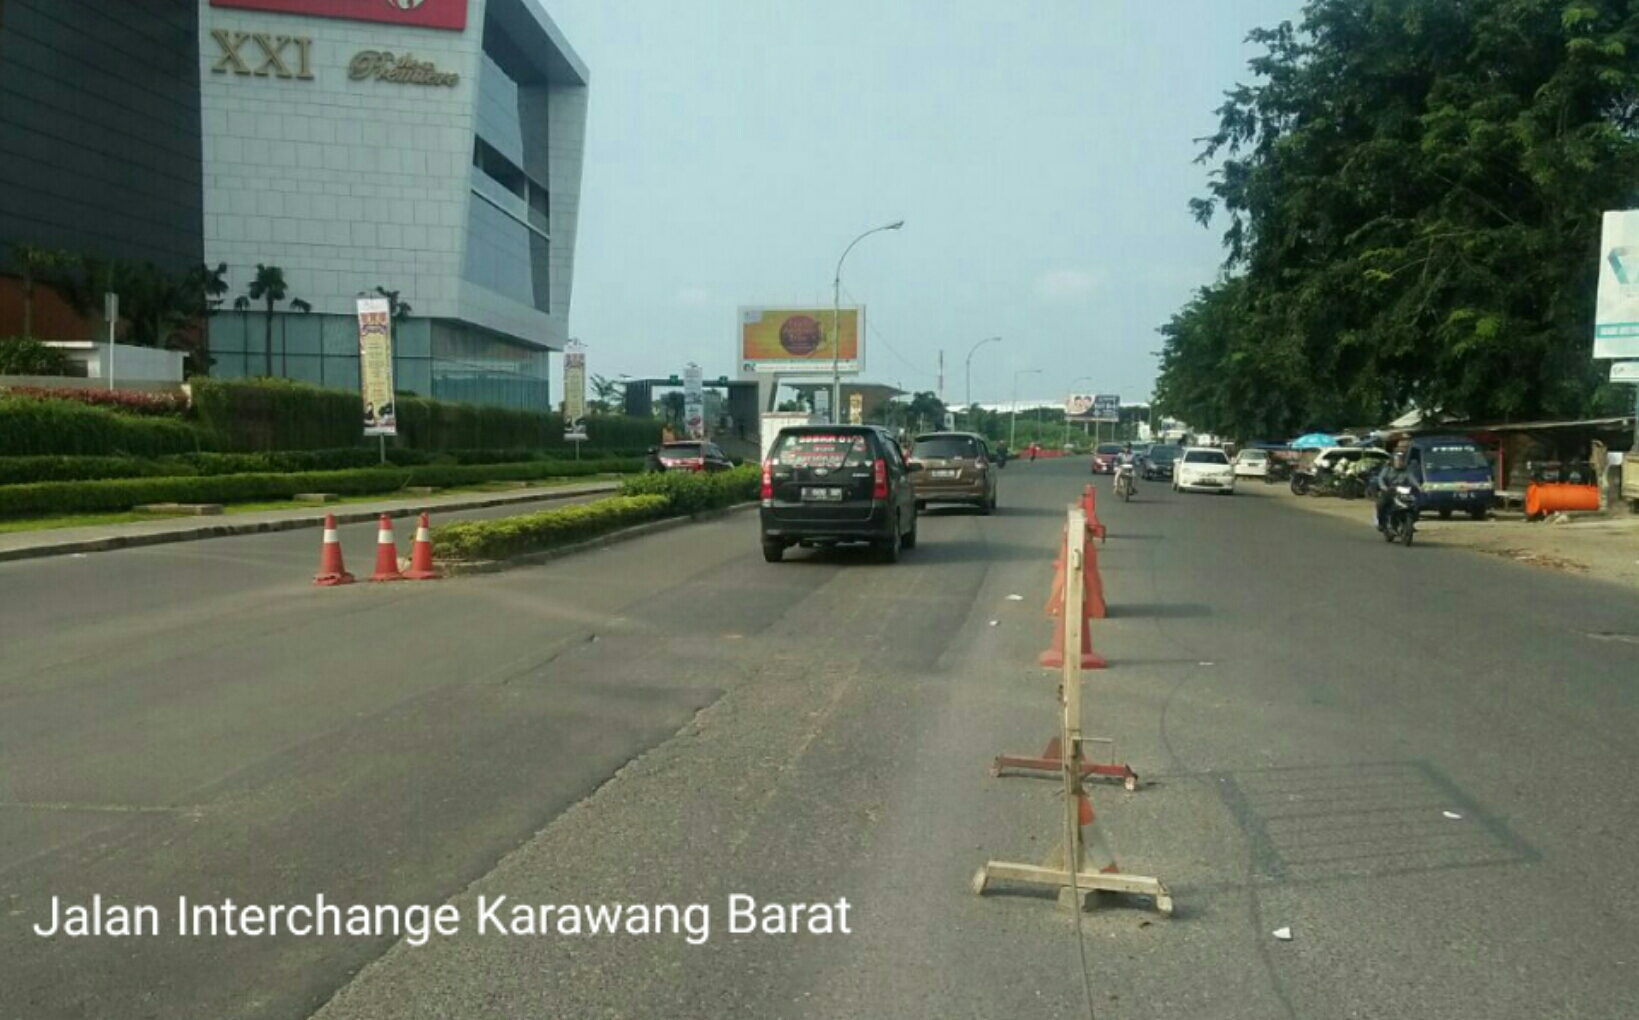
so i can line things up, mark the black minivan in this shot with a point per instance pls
(834, 484)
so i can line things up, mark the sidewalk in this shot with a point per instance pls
(23, 545)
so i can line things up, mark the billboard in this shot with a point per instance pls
(1616, 309)
(574, 389)
(376, 366)
(1078, 405)
(446, 14)
(694, 403)
(798, 341)
(1107, 407)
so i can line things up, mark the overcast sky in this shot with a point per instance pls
(1040, 153)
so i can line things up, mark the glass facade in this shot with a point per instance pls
(443, 360)
(507, 243)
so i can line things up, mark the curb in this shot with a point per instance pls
(90, 545)
(457, 568)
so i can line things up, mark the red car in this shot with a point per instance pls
(1105, 457)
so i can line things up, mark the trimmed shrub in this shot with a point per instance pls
(31, 427)
(691, 493)
(513, 536)
(158, 405)
(120, 494)
(23, 470)
(254, 415)
(616, 432)
(20, 356)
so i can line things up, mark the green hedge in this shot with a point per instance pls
(121, 494)
(32, 427)
(278, 414)
(513, 536)
(24, 356)
(257, 415)
(691, 493)
(24, 470)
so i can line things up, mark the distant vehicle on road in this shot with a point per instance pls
(1104, 457)
(956, 468)
(1159, 462)
(687, 455)
(1252, 464)
(1452, 474)
(1204, 469)
(837, 484)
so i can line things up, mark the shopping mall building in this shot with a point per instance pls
(430, 148)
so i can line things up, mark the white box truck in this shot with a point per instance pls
(773, 421)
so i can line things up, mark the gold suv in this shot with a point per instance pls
(957, 467)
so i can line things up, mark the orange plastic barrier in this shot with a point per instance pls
(1552, 497)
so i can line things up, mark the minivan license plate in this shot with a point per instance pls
(822, 495)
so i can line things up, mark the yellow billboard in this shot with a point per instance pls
(798, 340)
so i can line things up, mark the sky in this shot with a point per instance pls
(1040, 152)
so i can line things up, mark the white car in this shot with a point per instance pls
(1204, 469)
(1252, 464)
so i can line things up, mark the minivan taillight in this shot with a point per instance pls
(879, 480)
(768, 480)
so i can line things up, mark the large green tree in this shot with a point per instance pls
(1413, 191)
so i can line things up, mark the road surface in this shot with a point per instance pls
(673, 721)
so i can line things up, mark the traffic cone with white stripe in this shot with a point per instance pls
(421, 554)
(386, 552)
(331, 572)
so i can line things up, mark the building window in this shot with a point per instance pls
(498, 168)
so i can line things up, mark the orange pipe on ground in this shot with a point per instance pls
(1552, 497)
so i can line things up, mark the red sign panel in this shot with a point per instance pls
(445, 14)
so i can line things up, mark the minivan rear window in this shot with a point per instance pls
(822, 450)
(1456, 457)
(946, 448)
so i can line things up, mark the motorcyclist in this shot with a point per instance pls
(1394, 475)
(1129, 463)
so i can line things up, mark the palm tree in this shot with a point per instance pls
(268, 287)
(396, 309)
(34, 263)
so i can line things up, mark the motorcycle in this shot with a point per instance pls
(1124, 482)
(1280, 470)
(1400, 523)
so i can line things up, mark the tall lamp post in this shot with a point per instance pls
(1013, 430)
(836, 321)
(969, 369)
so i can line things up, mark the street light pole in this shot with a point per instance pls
(969, 368)
(1013, 430)
(836, 321)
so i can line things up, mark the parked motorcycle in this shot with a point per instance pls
(1280, 470)
(1400, 523)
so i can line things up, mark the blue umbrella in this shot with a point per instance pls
(1313, 441)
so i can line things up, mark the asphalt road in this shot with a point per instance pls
(673, 721)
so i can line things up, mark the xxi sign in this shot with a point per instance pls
(450, 15)
(263, 54)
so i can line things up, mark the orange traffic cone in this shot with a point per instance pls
(386, 552)
(421, 554)
(331, 571)
(1095, 527)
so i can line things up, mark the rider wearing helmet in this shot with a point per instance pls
(1129, 463)
(1395, 474)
